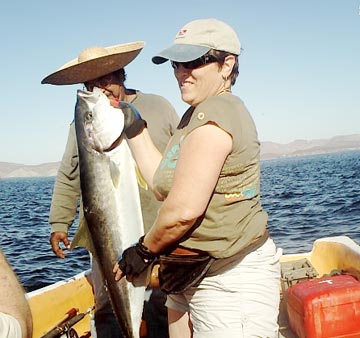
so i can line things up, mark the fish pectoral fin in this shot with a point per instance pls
(115, 173)
(140, 178)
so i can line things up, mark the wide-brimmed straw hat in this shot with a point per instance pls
(95, 62)
(197, 37)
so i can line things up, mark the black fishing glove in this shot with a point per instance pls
(133, 122)
(136, 259)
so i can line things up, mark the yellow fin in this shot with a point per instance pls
(140, 178)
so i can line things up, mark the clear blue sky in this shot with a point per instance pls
(299, 71)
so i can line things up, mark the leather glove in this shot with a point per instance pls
(133, 122)
(136, 259)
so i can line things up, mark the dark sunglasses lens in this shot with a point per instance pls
(203, 60)
(187, 65)
(194, 64)
(104, 81)
(100, 82)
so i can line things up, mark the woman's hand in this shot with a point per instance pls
(133, 261)
(117, 271)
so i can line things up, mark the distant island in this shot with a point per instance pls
(268, 151)
(271, 150)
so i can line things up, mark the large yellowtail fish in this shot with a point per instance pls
(110, 197)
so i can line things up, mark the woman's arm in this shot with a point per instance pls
(202, 156)
(146, 155)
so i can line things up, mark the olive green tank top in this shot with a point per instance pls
(234, 216)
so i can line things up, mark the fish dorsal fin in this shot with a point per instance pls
(114, 173)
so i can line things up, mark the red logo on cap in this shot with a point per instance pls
(182, 32)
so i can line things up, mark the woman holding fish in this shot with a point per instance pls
(219, 267)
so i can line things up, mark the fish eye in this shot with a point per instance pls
(89, 116)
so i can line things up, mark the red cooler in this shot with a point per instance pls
(325, 307)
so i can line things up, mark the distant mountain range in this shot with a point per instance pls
(268, 150)
(271, 150)
(8, 170)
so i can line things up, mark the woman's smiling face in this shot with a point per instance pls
(205, 81)
(198, 84)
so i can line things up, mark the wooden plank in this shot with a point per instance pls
(50, 304)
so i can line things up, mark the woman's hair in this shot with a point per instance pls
(220, 56)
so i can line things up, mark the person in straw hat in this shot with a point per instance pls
(104, 68)
(218, 263)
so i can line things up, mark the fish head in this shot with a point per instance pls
(103, 124)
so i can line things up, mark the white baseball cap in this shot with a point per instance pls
(196, 38)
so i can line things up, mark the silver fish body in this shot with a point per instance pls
(110, 198)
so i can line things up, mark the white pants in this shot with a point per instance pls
(9, 326)
(240, 301)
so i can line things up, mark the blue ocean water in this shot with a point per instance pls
(25, 233)
(312, 197)
(306, 198)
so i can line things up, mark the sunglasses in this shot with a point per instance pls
(201, 61)
(101, 82)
